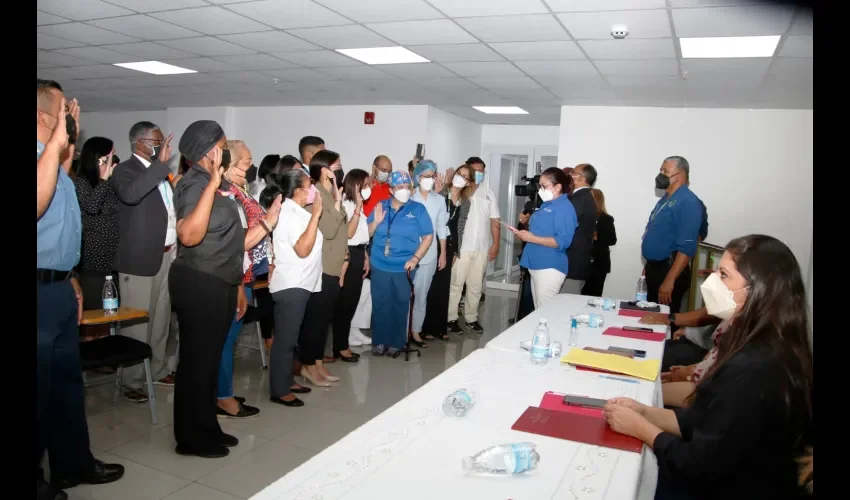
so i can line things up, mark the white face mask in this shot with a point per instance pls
(365, 193)
(719, 300)
(383, 176)
(427, 183)
(402, 195)
(458, 182)
(545, 195)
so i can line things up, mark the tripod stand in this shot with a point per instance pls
(407, 349)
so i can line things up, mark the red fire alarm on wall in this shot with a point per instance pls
(369, 118)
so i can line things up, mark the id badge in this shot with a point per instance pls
(387, 248)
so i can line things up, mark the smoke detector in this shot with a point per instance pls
(619, 31)
(275, 81)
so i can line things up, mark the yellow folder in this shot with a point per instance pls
(645, 368)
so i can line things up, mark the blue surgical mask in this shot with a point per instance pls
(479, 177)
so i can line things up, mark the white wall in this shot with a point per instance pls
(450, 139)
(520, 135)
(116, 126)
(750, 168)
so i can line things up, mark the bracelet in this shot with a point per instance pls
(265, 226)
(418, 258)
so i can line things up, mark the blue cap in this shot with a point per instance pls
(399, 177)
(422, 167)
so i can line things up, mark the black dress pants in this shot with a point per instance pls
(437, 305)
(205, 307)
(349, 297)
(681, 352)
(595, 283)
(656, 273)
(314, 329)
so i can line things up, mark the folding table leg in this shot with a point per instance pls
(151, 393)
(117, 392)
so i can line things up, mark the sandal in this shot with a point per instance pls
(444, 337)
(421, 344)
(428, 337)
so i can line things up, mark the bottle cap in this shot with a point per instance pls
(109, 278)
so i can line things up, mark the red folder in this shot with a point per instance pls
(574, 427)
(629, 334)
(555, 401)
(632, 313)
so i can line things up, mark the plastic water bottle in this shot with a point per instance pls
(540, 344)
(591, 320)
(555, 348)
(503, 460)
(604, 304)
(640, 293)
(573, 332)
(110, 297)
(459, 402)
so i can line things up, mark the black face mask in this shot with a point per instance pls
(225, 158)
(662, 182)
(71, 128)
(251, 174)
(340, 175)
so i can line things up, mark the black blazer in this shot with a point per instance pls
(579, 253)
(142, 216)
(606, 237)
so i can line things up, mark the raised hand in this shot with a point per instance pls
(165, 152)
(273, 214)
(74, 111)
(59, 137)
(379, 214)
(439, 181)
(317, 206)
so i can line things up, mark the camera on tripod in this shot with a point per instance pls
(530, 188)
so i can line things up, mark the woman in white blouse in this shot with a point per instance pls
(298, 260)
(355, 191)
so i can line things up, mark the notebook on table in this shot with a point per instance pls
(631, 334)
(572, 426)
(632, 306)
(646, 369)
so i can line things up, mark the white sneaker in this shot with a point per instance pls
(354, 341)
(364, 339)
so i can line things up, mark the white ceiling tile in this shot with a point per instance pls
(797, 46)
(352, 36)
(560, 68)
(477, 52)
(437, 31)
(446, 84)
(675, 4)
(97, 54)
(529, 28)
(379, 11)
(639, 67)
(148, 51)
(483, 69)
(85, 34)
(156, 5)
(43, 18)
(242, 77)
(538, 51)
(81, 10)
(526, 95)
(744, 71)
(803, 25)
(597, 5)
(503, 83)
(416, 71)
(318, 59)
(286, 14)
(95, 71)
(144, 27)
(207, 46)
(256, 62)
(59, 59)
(799, 69)
(51, 42)
(203, 64)
(477, 8)
(638, 83)
(298, 75)
(732, 21)
(270, 41)
(210, 21)
(584, 89)
(354, 73)
(597, 25)
(635, 48)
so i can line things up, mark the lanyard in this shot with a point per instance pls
(391, 219)
(657, 211)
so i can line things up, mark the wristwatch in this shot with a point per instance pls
(672, 319)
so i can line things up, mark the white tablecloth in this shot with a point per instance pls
(413, 451)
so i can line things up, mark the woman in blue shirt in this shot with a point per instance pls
(402, 233)
(550, 233)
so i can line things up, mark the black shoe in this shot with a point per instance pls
(228, 440)
(294, 403)
(47, 491)
(348, 359)
(454, 327)
(300, 390)
(101, 473)
(219, 451)
(475, 327)
(482, 297)
(245, 411)
(239, 399)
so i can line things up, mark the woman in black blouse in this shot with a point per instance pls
(603, 239)
(750, 415)
(99, 209)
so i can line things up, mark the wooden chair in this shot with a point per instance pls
(258, 285)
(117, 350)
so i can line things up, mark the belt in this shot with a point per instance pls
(169, 247)
(47, 276)
(361, 246)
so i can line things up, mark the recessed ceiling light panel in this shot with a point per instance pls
(383, 55)
(501, 110)
(155, 68)
(728, 47)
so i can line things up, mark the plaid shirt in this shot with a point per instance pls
(254, 213)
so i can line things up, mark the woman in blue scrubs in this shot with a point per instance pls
(401, 233)
(550, 233)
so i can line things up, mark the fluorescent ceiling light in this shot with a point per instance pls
(729, 46)
(501, 110)
(383, 55)
(155, 68)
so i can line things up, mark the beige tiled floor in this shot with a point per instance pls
(279, 438)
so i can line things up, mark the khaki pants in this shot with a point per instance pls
(468, 269)
(545, 285)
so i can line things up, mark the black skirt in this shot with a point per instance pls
(437, 308)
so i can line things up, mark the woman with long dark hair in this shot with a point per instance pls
(604, 238)
(750, 415)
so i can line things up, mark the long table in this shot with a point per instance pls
(412, 450)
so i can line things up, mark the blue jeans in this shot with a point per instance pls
(225, 370)
(390, 307)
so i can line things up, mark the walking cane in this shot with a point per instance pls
(407, 350)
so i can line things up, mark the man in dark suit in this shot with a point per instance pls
(579, 253)
(147, 230)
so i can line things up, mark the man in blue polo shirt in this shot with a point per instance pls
(670, 240)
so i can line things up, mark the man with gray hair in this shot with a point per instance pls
(147, 232)
(670, 240)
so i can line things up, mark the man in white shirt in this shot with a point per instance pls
(147, 233)
(480, 245)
